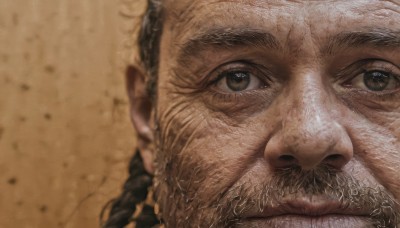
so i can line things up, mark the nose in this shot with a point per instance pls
(309, 135)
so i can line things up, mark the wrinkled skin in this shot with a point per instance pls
(310, 142)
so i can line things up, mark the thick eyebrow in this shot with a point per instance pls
(376, 37)
(226, 38)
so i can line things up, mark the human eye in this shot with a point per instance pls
(238, 78)
(237, 81)
(376, 76)
(239, 87)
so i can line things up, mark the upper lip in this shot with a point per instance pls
(308, 206)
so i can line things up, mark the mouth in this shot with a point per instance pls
(295, 220)
(317, 211)
(321, 198)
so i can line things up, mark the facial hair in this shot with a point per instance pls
(323, 181)
(182, 208)
(180, 180)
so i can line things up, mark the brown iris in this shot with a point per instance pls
(376, 80)
(237, 81)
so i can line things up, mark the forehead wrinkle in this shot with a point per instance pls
(184, 20)
(182, 15)
(382, 8)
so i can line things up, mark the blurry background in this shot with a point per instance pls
(65, 135)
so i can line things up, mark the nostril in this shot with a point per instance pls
(335, 160)
(284, 161)
(286, 158)
(333, 157)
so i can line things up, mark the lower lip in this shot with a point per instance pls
(293, 221)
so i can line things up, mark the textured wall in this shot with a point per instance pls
(65, 136)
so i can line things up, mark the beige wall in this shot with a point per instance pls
(65, 136)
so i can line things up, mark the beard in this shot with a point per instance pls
(180, 183)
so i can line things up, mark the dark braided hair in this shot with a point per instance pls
(135, 191)
(136, 188)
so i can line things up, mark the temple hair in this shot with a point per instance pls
(149, 42)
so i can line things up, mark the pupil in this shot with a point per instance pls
(238, 81)
(376, 80)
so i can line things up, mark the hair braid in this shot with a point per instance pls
(134, 192)
(136, 187)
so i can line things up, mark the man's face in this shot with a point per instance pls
(279, 113)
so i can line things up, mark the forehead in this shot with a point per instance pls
(182, 7)
(280, 17)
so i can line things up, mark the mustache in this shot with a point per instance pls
(294, 182)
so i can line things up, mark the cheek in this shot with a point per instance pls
(203, 152)
(378, 146)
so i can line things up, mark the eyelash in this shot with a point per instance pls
(220, 72)
(388, 70)
(242, 66)
(217, 96)
(362, 68)
(236, 98)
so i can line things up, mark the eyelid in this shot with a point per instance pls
(384, 66)
(385, 69)
(354, 70)
(255, 69)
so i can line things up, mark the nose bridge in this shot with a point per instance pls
(310, 134)
(309, 111)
